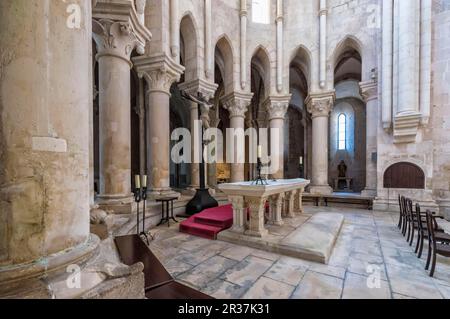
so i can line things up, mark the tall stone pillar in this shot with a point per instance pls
(407, 117)
(195, 146)
(237, 105)
(44, 142)
(369, 92)
(320, 106)
(160, 72)
(207, 90)
(277, 107)
(115, 39)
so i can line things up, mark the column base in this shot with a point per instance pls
(321, 190)
(369, 193)
(191, 190)
(24, 280)
(259, 234)
(276, 223)
(117, 205)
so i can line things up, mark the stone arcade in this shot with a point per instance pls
(91, 90)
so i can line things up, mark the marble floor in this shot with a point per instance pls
(371, 260)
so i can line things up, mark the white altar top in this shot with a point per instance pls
(273, 187)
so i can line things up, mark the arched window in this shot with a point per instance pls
(342, 132)
(261, 11)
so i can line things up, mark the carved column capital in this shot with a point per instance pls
(369, 90)
(160, 72)
(320, 105)
(114, 39)
(120, 33)
(277, 106)
(237, 103)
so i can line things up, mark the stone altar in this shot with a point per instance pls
(254, 197)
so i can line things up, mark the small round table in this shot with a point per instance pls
(166, 214)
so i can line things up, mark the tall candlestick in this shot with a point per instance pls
(137, 181)
(144, 181)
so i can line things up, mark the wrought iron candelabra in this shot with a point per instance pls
(259, 179)
(140, 194)
(302, 170)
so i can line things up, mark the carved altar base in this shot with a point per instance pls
(285, 229)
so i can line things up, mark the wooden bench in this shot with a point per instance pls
(159, 284)
(336, 198)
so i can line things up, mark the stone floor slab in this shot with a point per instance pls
(266, 288)
(362, 287)
(318, 286)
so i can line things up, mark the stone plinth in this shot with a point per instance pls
(307, 237)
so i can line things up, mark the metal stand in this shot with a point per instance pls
(302, 171)
(140, 194)
(259, 179)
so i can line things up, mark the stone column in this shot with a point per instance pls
(280, 42)
(277, 107)
(237, 104)
(115, 42)
(289, 205)
(208, 40)
(323, 14)
(44, 134)
(174, 30)
(369, 92)
(387, 64)
(239, 214)
(320, 105)
(195, 146)
(276, 209)
(407, 117)
(256, 226)
(160, 72)
(298, 205)
(243, 44)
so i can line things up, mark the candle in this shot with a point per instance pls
(259, 151)
(301, 160)
(144, 181)
(137, 181)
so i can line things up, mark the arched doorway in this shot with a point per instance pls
(298, 142)
(347, 131)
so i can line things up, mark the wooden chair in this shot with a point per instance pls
(409, 220)
(441, 236)
(435, 247)
(401, 215)
(405, 215)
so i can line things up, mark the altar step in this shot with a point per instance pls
(209, 223)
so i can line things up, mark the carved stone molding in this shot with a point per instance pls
(320, 105)
(207, 89)
(277, 106)
(237, 103)
(406, 127)
(369, 90)
(160, 72)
